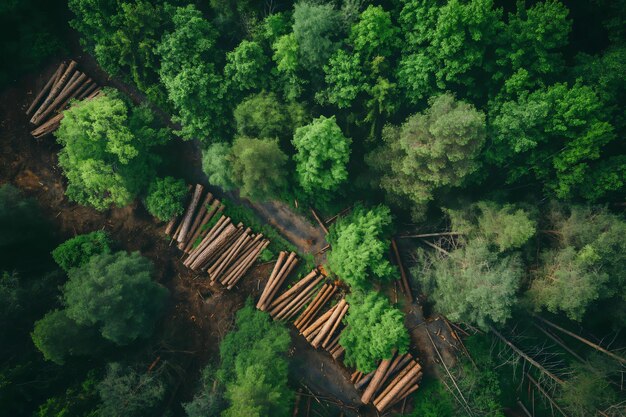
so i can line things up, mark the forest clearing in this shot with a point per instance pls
(317, 208)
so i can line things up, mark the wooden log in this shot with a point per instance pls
(337, 353)
(73, 78)
(174, 220)
(333, 343)
(290, 315)
(87, 92)
(94, 94)
(208, 215)
(367, 378)
(63, 95)
(319, 220)
(384, 402)
(217, 268)
(47, 87)
(355, 376)
(295, 289)
(336, 325)
(308, 316)
(329, 324)
(245, 269)
(197, 223)
(287, 305)
(314, 302)
(277, 266)
(49, 126)
(401, 374)
(410, 389)
(295, 297)
(376, 379)
(80, 89)
(188, 217)
(583, 340)
(248, 249)
(223, 247)
(217, 228)
(211, 247)
(285, 270)
(406, 288)
(313, 334)
(319, 322)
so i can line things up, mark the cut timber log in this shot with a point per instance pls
(46, 88)
(311, 306)
(319, 220)
(399, 386)
(87, 92)
(217, 228)
(81, 88)
(410, 389)
(49, 126)
(376, 380)
(319, 322)
(314, 307)
(53, 94)
(208, 215)
(287, 306)
(248, 264)
(406, 288)
(403, 372)
(329, 324)
(212, 247)
(188, 217)
(335, 325)
(336, 354)
(266, 291)
(285, 270)
(367, 378)
(218, 267)
(198, 218)
(295, 289)
(242, 256)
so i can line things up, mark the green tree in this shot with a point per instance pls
(322, 153)
(434, 149)
(216, 165)
(587, 389)
(473, 283)
(288, 67)
(316, 28)
(78, 250)
(374, 34)
(115, 292)
(188, 73)
(359, 249)
(263, 115)
(208, 401)
(127, 392)
(246, 67)
(586, 263)
(106, 155)
(123, 36)
(59, 337)
(258, 167)
(254, 367)
(532, 40)
(374, 330)
(559, 136)
(165, 198)
(504, 226)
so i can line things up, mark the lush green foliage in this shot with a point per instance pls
(254, 368)
(115, 292)
(586, 263)
(434, 149)
(374, 330)
(322, 153)
(208, 401)
(59, 337)
(246, 67)
(78, 250)
(127, 392)
(165, 198)
(106, 155)
(257, 167)
(216, 165)
(263, 115)
(193, 85)
(359, 249)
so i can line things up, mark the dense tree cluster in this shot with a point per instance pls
(253, 370)
(166, 197)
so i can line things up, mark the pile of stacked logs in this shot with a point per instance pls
(225, 251)
(66, 83)
(394, 380)
(326, 330)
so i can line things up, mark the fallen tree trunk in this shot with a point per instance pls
(329, 324)
(319, 220)
(188, 217)
(47, 87)
(287, 305)
(406, 288)
(266, 291)
(199, 217)
(376, 380)
(208, 215)
(401, 374)
(240, 275)
(285, 270)
(217, 228)
(335, 325)
(214, 245)
(220, 266)
(385, 401)
(294, 290)
(55, 97)
(317, 324)
(314, 308)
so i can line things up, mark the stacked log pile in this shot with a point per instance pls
(394, 380)
(225, 251)
(325, 331)
(66, 83)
